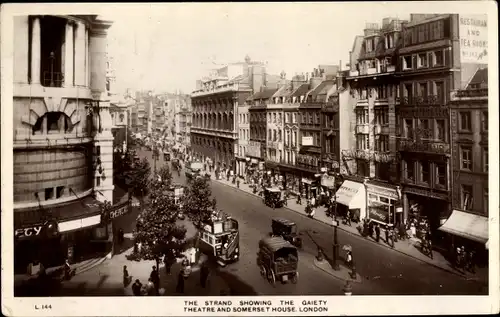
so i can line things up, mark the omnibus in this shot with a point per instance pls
(194, 170)
(219, 238)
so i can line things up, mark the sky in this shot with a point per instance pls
(169, 47)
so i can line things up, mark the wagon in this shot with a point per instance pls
(278, 260)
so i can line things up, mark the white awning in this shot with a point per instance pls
(351, 194)
(467, 225)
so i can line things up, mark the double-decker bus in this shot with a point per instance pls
(219, 238)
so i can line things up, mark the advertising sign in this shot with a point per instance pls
(328, 181)
(29, 232)
(253, 149)
(379, 212)
(473, 38)
(307, 140)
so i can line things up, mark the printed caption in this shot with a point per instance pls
(255, 306)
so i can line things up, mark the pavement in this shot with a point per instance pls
(410, 247)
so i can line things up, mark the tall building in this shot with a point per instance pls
(469, 155)
(369, 148)
(63, 145)
(214, 133)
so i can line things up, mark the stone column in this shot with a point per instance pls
(80, 55)
(36, 50)
(87, 60)
(21, 44)
(68, 59)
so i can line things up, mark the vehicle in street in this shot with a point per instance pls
(195, 169)
(273, 197)
(166, 156)
(278, 260)
(287, 230)
(219, 238)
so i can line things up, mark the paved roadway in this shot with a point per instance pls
(384, 271)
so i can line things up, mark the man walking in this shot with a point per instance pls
(377, 232)
(136, 287)
(204, 272)
(155, 278)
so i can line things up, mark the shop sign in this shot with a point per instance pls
(381, 191)
(356, 154)
(307, 181)
(379, 212)
(307, 141)
(328, 181)
(423, 192)
(119, 210)
(425, 147)
(272, 145)
(307, 160)
(254, 149)
(424, 112)
(29, 232)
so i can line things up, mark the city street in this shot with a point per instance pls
(383, 271)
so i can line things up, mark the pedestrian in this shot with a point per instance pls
(349, 258)
(150, 288)
(371, 228)
(155, 278)
(348, 217)
(137, 287)
(121, 236)
(168, 261)
(204, 272)
(180, 283)
(238, 182)
(67, 270)
(377, 232)
(126, 277)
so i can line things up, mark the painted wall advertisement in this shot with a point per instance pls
(473, 38)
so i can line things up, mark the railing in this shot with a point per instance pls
(470, 93)
(53, 79)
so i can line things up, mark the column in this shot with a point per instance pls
(87, 61)
(36, 50)
(68, 59)
(80, 55)
(21, 45)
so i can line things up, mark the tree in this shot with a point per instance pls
(156, 228)
(197, 201)
(137, 179)
(165, 175)
(122, 163)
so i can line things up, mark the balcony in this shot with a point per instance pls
(431, 100)
(217, 89)
(53, 79)
(470, 93)
(362, 129)
(409, 145)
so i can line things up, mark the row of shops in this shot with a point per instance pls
(74, 231)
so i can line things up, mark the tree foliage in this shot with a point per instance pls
(138, 177)
(157, 229)
(197, 201)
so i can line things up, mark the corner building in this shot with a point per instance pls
(63, 144)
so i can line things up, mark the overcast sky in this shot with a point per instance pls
(167, 47)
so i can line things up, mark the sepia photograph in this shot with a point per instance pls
(249, 158)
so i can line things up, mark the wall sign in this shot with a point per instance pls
(381, 191)
(423, 192)
(422, 146)
(473, 33)
(423, 112)
(29, 232)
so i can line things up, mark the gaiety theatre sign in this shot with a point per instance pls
(28, 232)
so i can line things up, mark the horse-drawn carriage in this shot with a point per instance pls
(278, 260)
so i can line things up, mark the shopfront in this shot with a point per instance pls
(351, 196)
(382, 203)
(309, 187)
(468, 230)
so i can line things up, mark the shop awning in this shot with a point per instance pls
(467, 225)
(351, 194)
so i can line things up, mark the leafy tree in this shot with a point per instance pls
(156, 228)
(197, 201)
(165, 175)
(138, 178)
(122, 163)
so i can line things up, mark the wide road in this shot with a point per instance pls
(384, 271)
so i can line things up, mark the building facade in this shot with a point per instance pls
(469, 155)
(63, 144)
(214, 133)
(243, 139)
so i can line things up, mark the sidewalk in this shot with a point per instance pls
(408, 247)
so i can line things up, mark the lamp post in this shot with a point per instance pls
(335, 224)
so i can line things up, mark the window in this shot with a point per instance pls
(294, 118)
(311, 118)
(287, 118)
(465, 120)
(485, 159)
(422, 60)
(362, 141)
(382, 143)
(440, 132)
(363, 167)
(49, 193)
(466, 158)
(407, 62)
(441, 174)
(437, 58)
(425, 169)
(410, 170)
(467, 197)
(279, 117)
(362, 116)
(382, 92)
(274, 117)
(369, 45)
(382, 171)
(270, 135)
(279, 136)
(439, 91)
(424, 131)
(484, 120)
(317, 139)
(382, 115)
(52, 123)
(294, 138)
(422, 89)
(274, 136)
(408, 128)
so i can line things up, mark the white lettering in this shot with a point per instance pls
(28, 232)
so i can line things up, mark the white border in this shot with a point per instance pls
(173, 306)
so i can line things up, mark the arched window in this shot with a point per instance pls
(53, 123)
(122, 117)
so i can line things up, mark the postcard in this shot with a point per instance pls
(250, 159)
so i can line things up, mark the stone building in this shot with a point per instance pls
(63, 145)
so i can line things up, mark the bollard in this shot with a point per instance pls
(347, 289)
